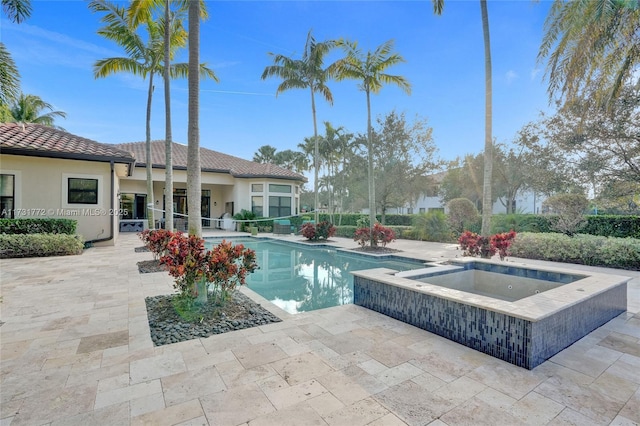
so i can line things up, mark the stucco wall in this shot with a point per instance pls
(41, 192)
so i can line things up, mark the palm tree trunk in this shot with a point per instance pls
(315, 157)
(487, 205)
(168, 138)
(193, 136)
(372, 188)
(150, 199)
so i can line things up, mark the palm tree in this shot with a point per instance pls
(487, 205)
(29, 109)
(17, 11)
(265, 154)
(306, 73)
(9, 77)
(193, 130)
(591, 45)
(140, 11)
(144, 59)
(369, 68)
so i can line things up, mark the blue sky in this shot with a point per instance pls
(56, 48)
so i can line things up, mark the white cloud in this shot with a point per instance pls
(534, 73)
(59, 39)
(511, 75)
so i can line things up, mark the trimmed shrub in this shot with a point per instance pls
(582, 249)
(520, 223)
(612, 226)
(432, 226)
(462, 212)
(345, 231)
(39, 245)
(38, 226)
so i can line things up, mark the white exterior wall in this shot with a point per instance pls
(41, 192)
(526, 202)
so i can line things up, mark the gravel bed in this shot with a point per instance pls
(149, 266)
(239, 312)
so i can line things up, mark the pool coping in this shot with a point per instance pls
(533, 308)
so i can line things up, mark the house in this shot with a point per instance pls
(46, 172)
(229, 185)
(527, 201)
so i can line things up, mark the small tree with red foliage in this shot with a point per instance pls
(473, 244)
(323, 230)
(156, 240)
(381, 236)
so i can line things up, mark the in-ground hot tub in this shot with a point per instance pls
(520, 314)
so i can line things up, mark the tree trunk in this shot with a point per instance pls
(372, 188)
(487, 207)
(315, 157)
(168, 138)
(193, 150)
(150, 199)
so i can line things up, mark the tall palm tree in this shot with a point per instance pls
(265, 154)
(145, 59)
(306, 73)
(29, 109)
(369, 68)
(487, 205)
(9, 78)
(193, 130)
(591, 45)
(140, 11)
(17, 11)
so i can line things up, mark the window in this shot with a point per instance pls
(257, 206)
(7, 196)
(257, 187)
(279, 206)
(422, 210)
(280, 188)
(410, 210)
(133, 206)
(82, 191)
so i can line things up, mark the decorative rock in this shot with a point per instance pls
(239, 312)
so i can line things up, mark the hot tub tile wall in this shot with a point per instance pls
(512, 339)
(555, 332)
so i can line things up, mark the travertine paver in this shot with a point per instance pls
(75, 350)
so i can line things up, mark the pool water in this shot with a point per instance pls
(298, 278)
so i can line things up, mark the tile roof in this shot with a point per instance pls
(38, 140)
(210, 161)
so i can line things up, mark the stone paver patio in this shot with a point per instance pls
(75, 350)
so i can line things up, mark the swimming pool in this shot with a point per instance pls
(300, 278)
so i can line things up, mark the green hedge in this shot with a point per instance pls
(613, 226)
(38, 226)
(604, 225)
(623, 253)
(345, 231)
(39, 245)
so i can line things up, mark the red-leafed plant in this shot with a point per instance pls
(324, 230)
(473, 244)
(502, 242)
(156, 240)
(194, 267)
(381, 235)
(229, 265)
(187, 260)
